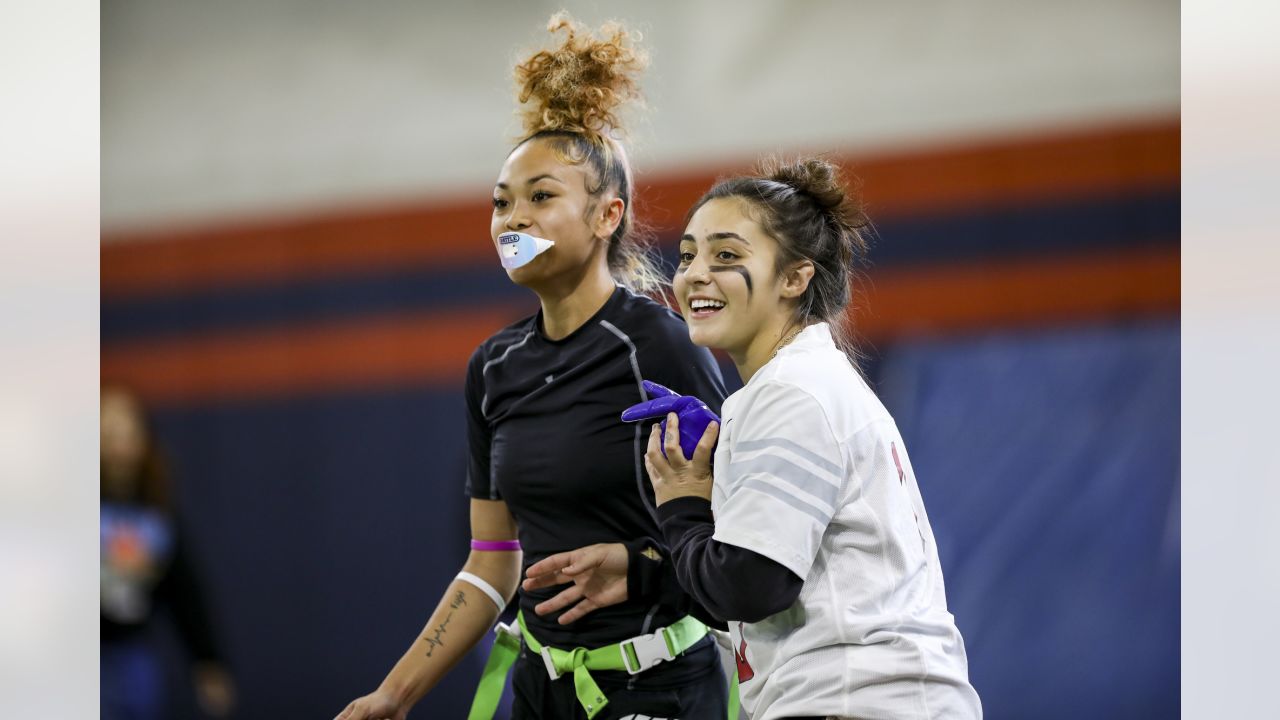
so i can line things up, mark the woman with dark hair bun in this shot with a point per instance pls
(552, 472)
(843, 612)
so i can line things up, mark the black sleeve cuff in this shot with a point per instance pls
(688, 507)
(679, 515)
(644, 572)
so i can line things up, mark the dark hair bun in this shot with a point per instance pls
(578, 86)
(823, 182)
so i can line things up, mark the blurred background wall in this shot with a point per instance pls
(295, 268)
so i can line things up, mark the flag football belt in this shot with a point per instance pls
(634, 655)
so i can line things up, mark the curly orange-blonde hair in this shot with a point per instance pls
(578, 86)
(569, 97)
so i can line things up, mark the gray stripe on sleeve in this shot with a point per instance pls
(637, 449)
(811, 456)
(788, 472)
(631, 347)
(484, 401)
(783, 496)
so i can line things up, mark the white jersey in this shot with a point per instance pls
(811, 472)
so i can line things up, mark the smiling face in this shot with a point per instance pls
(726, 284)
(539, 194)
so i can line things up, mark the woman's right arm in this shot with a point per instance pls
(463, 616)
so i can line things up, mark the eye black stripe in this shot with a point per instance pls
(737, 269)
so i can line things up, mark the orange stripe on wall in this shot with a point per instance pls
(1037, 292)
(1098, 163)
(339, 244)
(434, 348)
(427, 348)
(1094, 163)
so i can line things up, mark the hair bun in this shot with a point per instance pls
(812, 176)
(821, 180)
(578, 86)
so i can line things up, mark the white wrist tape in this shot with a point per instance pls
(485, 587)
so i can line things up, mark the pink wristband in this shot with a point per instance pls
(495, 545)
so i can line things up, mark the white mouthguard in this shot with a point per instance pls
(516, 248)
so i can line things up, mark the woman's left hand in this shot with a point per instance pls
(675, 476)
(598, 573)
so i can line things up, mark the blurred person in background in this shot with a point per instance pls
(146, 567)
(813, 490)
(550, 464)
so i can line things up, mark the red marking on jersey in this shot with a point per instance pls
(893, 447)
(745, 672)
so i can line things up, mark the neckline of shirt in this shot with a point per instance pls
(811, 336)
(618, 292)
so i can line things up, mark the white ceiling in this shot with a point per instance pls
(213, 111)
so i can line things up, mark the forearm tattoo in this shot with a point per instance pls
(435, 637)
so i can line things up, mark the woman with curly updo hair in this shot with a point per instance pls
(552, 472)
